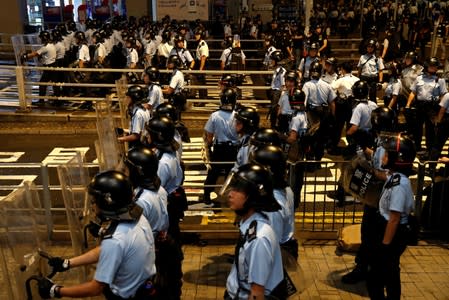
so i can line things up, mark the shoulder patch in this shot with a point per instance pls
(251, 233)
(396, 180)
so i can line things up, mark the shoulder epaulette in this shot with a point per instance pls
(251, 233)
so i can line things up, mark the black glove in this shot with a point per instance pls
(379, 86)
(23, 58)
(48, 289)
(94, 229)
(59, 264)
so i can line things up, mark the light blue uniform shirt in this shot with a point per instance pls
(183, 54)
(284, 104)
(398, 198)
(428, 88)
(155, 96)
(127, 259)
(304, 65)
(154, 204)
(370, 65)
(299, 123)
(243, 153)
(278, 79)
(177, 81)
(221, 125)
(445, 102)
(394, 87)
(361, 115)
(140, 117)
(283, 220)
(170, 172)
(318, 93)
(259, 260)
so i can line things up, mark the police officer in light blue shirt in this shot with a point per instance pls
(143, 164)
(138, 114)
(277, 85)
(394, 87)
(257, 270)
(283, 220)
(187, 61)
(371, 69)
(155, 97)
(221, 139)
(426, 93)
(161, 137)
(246, 122)
(395, 205)
(126, 256)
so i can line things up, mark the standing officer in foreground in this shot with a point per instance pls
(370, 69)
(425, 96)
(125, 259)
(221, 136)
(250, 193)
(395, 205)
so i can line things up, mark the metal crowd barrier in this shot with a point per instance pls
(316, 212)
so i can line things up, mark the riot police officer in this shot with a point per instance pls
(187, 61)
(125, 236)
(139, 116)
(250, 193)
(202, 56)
(246, 122)
(222, 140)
(426, 93)
(155, 96)
(384, 125)
(343, 104)
(370, 69)
(283, 220)
(393, 95)
(143, 165)
(161, 138)
(395, 205)
(306, 62)
(47, 56)
(277, 85)
(410, 71)
(320, 105)
(176, 85)
(285, 110)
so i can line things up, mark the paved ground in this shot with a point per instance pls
(424, 271)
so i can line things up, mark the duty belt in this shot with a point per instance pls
(228, 143)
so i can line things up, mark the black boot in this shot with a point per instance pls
(358, 274)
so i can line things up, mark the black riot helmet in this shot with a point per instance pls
(255, 181)
(315, 70)
(178, 38)
(291, 75)
(297, 100)
(56, 35)
(228, 99)
(99, 38)
(412, 55)
(112, 192)
(332, 61)
(383, 118)
(61, 27)
(153, 74)
(228, 41)
(228, 80)
(132, 41)
(401, 153)
(265, 136)
(136, 93)
(142, 164)
(276, 56)
(162, 133)
(71, 26)
(372, 43)
(249, 117)
(273, 158)
(360, 90)
(431, 62)
(79, 35)
(166, 109)
(45, 37)
(199, 32)
(175, 60)
(314, 46)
